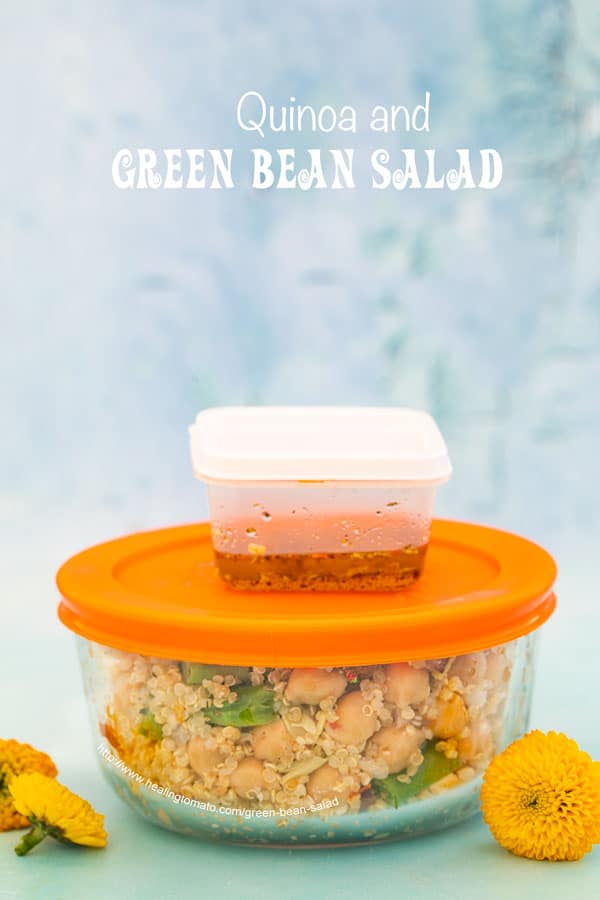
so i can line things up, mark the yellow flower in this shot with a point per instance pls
(52, 809)
(541, 798)
(16, 759)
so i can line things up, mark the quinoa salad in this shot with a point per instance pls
(322, 740)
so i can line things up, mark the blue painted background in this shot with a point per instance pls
(128, 311)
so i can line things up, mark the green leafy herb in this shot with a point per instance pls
(196, 673)
(434, 767)
(149, 727)
(253, 706)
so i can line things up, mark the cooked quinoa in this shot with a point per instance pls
(331, 740)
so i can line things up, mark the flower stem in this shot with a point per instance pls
(29, 840)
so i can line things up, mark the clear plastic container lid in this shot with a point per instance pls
(318, 443)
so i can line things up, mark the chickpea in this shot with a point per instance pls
(470, 668)
(479, 741)
(326, 784)
(405, 685)
(203, 754)
(313, 685)
(248, 779)
(394, 746)
(353, 725)
(272, 741)
(498, 670)
(451, 718)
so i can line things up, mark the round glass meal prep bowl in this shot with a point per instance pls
(305, 718)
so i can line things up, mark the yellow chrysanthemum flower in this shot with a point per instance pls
(541, 798)
(51, 809)
(16, 759)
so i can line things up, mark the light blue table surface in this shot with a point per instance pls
(43, 704)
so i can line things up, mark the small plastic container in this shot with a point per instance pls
(291, 719)
(319, 498)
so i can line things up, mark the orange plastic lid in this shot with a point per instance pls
(158, 593)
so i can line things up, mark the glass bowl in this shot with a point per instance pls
(284, 718)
